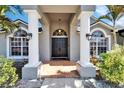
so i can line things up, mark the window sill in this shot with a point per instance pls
(17, 57)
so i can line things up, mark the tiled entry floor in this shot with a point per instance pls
(59, 69)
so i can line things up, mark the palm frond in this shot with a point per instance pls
(5, 23)
(115, 11)
(107, 16)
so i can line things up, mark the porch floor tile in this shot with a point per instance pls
(59, 69)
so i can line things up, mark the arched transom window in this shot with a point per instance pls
(59, 32)
(98, 34)
(20, 33)
(98, 44)
(18, 44)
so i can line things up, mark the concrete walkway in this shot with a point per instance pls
(65, 83)
(62, 83)
(51, 83)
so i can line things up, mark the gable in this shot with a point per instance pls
(92, 20)
(101, 26)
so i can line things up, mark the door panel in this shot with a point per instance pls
(59, 47)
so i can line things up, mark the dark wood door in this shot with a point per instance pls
(59, 47)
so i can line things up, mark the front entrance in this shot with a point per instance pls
(59, 47)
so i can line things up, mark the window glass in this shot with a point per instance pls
(98, 44)
(18, 44)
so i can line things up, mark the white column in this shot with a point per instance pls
(33, 42)
(84, 42)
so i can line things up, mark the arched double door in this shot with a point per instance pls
(59, 44)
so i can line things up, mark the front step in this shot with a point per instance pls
(73, 74)
(59, 69)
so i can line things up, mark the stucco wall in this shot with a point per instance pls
(74, 44)
(3, 44)
(75, 40)
(23, 26)
(44, 45)
(55, 26)
(45, 40)
(92, 20)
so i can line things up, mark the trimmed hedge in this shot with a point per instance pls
(8, 76)
(112, 67)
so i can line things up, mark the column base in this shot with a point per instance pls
(87, 70)
(31, 71)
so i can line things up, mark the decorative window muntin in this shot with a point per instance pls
(98, 44)
(59, 32)
(18, 44)
(98, 34)
(20, 33)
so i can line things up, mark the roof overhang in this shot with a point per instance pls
(102, 23)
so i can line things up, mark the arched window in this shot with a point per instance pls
(20, 33)
(18, 44)
(59, 32)
(98, 34)
(98, 44)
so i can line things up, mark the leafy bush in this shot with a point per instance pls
(112, 67)
(8, 76)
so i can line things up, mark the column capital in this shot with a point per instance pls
(33, 12)
(29, 7)
(30, 11)
(87, 14)
(88, 7)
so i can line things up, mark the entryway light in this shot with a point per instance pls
(59, 25)
(89, 36)
(59, 30)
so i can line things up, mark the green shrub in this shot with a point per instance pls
(112, 67)
(8, 76)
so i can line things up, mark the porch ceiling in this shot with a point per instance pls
(55, 16)
(59, 8)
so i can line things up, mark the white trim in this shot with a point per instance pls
(8, 47)
(107, 36)
(23, 29)
(7, 50)
(19, 20)
(98, 29)
(59, 57)
(59, 36)
(17, 57)
(106, 25)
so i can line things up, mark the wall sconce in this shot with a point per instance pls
(89, 36)
(29, 36)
